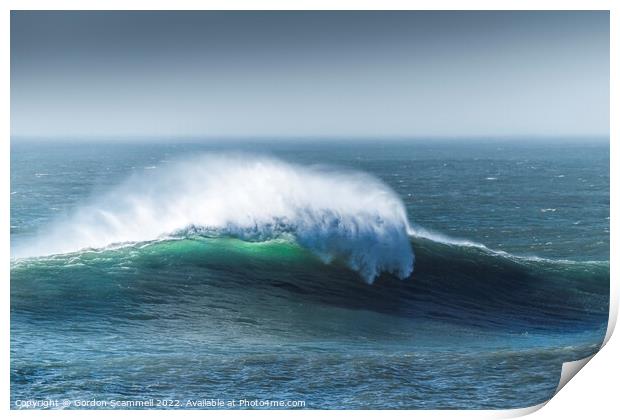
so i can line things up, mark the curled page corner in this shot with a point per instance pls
(570, 369)
(520, 412)
(613, 314)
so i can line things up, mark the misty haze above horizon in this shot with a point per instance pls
(304, 74)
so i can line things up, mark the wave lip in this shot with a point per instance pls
(334, 213)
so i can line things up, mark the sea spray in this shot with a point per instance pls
(333, 212)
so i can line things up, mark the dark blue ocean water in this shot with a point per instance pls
(282, 273)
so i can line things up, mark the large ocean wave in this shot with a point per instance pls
(244, 223)
(336, 214)
(222, 276)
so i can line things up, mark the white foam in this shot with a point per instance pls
(334, 213)
(421, 232)
(424, 233)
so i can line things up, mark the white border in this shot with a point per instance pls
(593, 394)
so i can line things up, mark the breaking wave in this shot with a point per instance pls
(336, 214)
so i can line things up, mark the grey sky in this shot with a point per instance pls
(309, 73)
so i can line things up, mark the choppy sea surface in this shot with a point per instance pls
(344, 274)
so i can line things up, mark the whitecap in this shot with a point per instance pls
(335, 213)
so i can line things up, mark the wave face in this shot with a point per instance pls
(221, 280)
(336, 214)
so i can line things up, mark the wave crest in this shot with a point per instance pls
(334, 213)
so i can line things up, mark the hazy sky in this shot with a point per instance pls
(309, 73)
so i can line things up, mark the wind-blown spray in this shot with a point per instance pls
(334, 213)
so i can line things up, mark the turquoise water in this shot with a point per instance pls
(394, 274)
